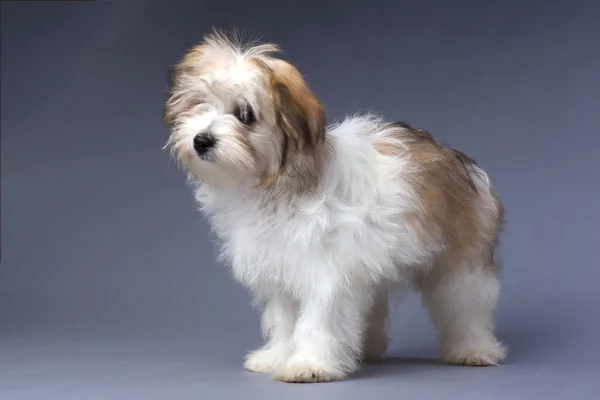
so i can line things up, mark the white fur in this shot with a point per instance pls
(327, 259)
(321, 266)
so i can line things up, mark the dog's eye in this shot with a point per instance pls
(245, 115)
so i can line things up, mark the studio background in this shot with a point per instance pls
(108, 284)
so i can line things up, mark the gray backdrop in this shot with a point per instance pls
(108, 288)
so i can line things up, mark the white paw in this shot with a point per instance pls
(264, 360)
(299, 368)
(303, 373)
(476, 355)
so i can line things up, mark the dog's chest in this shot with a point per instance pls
(303, 245)
(276, 244)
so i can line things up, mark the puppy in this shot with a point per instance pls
(322, 223)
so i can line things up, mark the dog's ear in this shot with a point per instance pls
(169, 108)
(179, 99)
(299, 114)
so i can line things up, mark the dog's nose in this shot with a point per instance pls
(202, 143)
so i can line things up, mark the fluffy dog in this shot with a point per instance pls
(322, 223)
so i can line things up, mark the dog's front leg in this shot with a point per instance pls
(328, 335)
(277, 325)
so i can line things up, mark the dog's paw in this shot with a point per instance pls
(303, 373)
(264, 361)
(307, 368)
(477, 356)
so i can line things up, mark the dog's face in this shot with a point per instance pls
(240, 115)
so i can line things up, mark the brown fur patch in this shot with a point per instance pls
(301, 121)
(299, 114)
(445, 187)
(177, 100)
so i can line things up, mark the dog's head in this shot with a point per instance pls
(238, 114)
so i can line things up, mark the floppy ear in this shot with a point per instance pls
(299, 114)
(180, 100)
(171, 107)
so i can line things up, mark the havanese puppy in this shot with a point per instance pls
(322, 223)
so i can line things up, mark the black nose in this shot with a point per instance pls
(202, 143)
